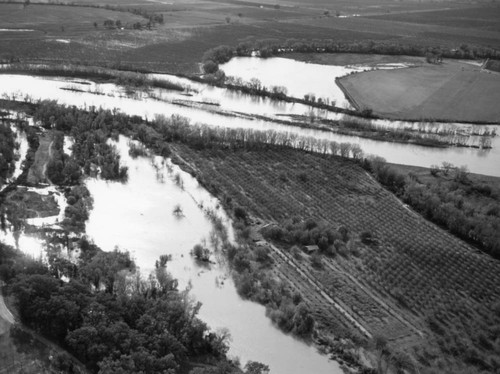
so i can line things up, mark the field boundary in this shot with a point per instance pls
(348, 96)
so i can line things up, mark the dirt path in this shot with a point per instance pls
(44, 168)
(6, 317)
(334, 267)
(322, 291)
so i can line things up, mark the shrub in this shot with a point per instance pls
(316, 261)
(210, 67)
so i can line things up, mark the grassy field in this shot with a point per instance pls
(485, 18)
(449, 91)
(37, 173)
(63, 33)
(414, 278)
(353, 59)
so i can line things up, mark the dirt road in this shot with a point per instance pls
(6, 317)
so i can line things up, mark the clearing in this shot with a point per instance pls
(37, 172)
(451, 91)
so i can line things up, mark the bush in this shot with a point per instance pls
(201, 253)
(302, 176)
(210, 67)
(316, 261)
(240, 214)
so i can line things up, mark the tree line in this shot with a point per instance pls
(179, 129)
(274, 47)
(213, 57)
(7, 151)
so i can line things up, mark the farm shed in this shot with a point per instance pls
(310, 249)
(261, 243)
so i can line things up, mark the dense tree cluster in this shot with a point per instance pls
(273, 47)
(61, 168)
(285, 307)
(77, 211)
(295, 231)
(107, 316)
(7, 151)
(91, 131)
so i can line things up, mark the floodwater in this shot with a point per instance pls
(21, 152)
(299, 78)
(139, 216)
(482, 161)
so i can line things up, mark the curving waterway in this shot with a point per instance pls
(138, 216)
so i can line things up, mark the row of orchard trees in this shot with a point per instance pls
(176, 128)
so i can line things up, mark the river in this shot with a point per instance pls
(138, 216)
(482, 161)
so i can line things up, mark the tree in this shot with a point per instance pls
(254, 367)
(109, 24)
(240, 214)
(434, 170)
(446, 167)
(210, 67)
(255, 85)
(461, 174)
(345, 149)
(403, 363)
(201, 253)
(381, 346)
(178, 211)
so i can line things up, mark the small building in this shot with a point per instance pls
(261, 243)
(310, 249)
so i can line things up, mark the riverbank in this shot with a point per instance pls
(126, 78)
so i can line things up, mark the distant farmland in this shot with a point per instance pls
(67, 32)
(452, 91)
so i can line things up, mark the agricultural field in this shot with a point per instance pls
(425, 289)
(493, 65)
(176, 45)
(343, 59)
(449, 91)
(484, 18)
